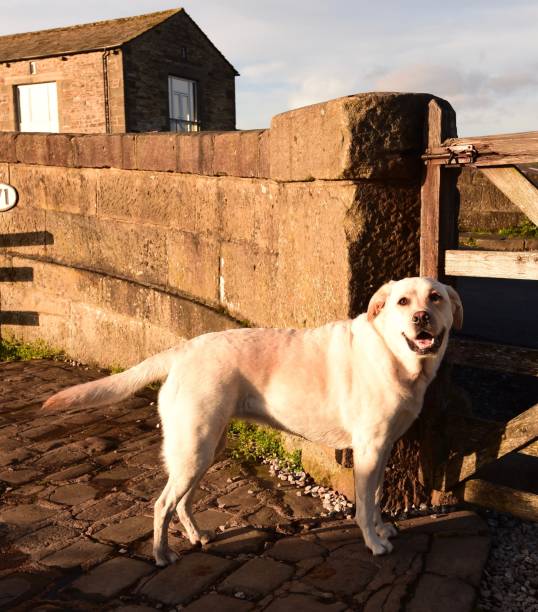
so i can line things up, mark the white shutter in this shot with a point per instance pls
(38, 108)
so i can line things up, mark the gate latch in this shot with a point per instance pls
(453, 155)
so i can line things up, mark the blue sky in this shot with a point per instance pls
(482, 56)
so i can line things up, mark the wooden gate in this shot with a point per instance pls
(472, 443)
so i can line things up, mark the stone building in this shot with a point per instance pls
(155, 72)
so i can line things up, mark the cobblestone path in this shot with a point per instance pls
(77, 490)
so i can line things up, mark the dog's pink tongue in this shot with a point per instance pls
(424, 342)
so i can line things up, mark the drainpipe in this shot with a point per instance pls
(106, 53)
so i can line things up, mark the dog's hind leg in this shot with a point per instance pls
(184, 508)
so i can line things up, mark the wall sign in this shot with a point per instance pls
(8, 197)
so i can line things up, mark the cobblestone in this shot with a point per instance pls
(77, 493)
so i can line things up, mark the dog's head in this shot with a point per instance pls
(415, 315)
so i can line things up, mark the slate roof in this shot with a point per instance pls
(80, 38)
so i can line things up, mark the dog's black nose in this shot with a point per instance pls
(421, 318)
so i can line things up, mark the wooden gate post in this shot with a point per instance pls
(439, 195)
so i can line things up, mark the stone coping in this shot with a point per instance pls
(364, 136)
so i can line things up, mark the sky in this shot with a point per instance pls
(481, 56)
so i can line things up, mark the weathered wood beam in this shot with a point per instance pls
(492, 264)
(518, 432)
(517, 188)
(498, 150)
(531, 450)
(491, 356)
(503, 499)
(438, 217)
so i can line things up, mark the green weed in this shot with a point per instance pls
(527, 229)
(254, 443)
(17, 350)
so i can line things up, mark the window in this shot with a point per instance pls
(182, 105)
(38, 107)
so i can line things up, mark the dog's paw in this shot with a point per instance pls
(202, 537)
(386, 531)
(380, 547)
(206, 537)
(164, 558)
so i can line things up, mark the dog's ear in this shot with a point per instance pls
(457, 307)
(377, 301)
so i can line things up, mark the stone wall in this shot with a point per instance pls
(483, 207)
(132, 243)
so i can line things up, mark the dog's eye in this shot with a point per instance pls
(403, 301)
(435, 297)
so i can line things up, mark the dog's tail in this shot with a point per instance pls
(117, 387)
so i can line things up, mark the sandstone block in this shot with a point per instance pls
(73, 494)
(23, 229)
(25, 514)
(60, 149)
(82, 553)
(110, 578)
(256, 578)
(17, 477)
(193, 265)
(128, 143)
(459, 557)
(156, 152)
(250, 211)
(32, 149)
(63, 189)
(371, 135)
(238, 154)
(186, 578)
(138, 250)
(441, 594)
(8, 147)
(189, 155)
(129, 530)
(98, 150)
(256, 300)
(295, 549)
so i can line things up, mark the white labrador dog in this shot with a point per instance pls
(358, 383)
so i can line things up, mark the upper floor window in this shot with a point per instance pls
(182, 105)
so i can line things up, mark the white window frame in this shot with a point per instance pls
(189, 123)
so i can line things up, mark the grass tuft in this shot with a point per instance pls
(254, 443)
(527, 229)
(17, 350)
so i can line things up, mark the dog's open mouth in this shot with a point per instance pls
(425, 342)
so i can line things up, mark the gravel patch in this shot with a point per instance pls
(510, 578)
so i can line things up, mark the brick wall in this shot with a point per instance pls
(80, 87)
(152, 57)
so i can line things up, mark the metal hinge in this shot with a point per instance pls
(453, 155)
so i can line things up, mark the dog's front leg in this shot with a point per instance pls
(368, 458)
(384, 530)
